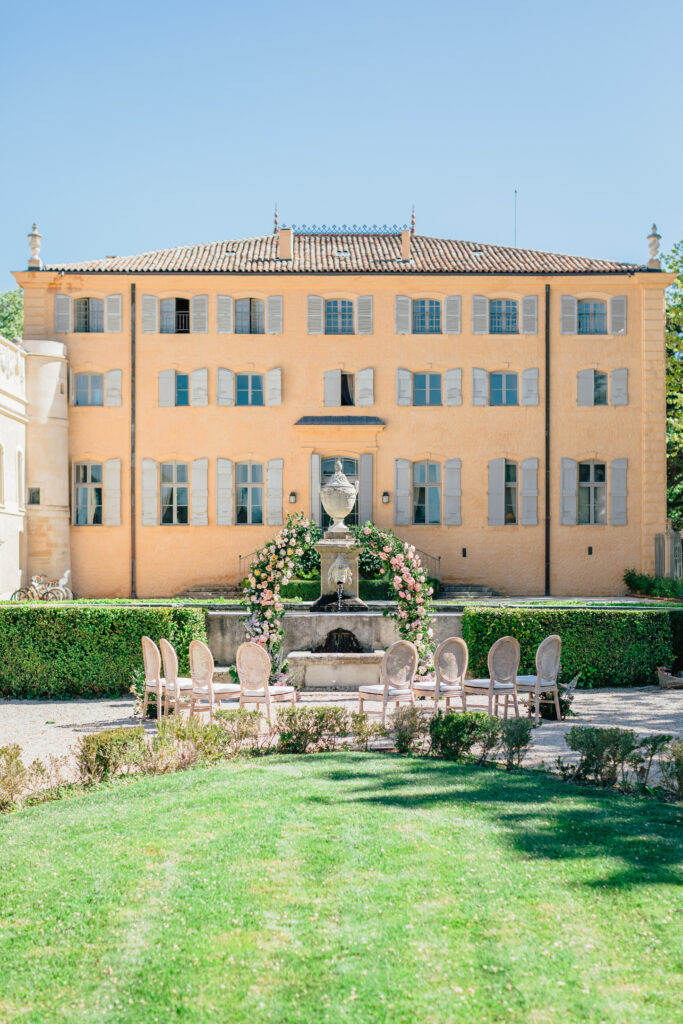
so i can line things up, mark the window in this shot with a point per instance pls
(599, 388)
(175, 316)
(34, 495)
(249, 389)
(175, 493)
(426, 492)
(339, 316)
(592, 492)
(426, 389)
(347, 389)
(89, 389)
(503, 389)
(350, 471)
(510, 492)
(503, 316)
(426, 316)
(249, 316)
(182, 389)
(592, 316)
(249, 493)
(88, 488)
(89, 316)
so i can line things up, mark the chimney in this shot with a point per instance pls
(284, 242)
(405, 245)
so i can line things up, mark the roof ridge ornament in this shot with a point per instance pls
(34, 242)
(654, 263)
(348, 229)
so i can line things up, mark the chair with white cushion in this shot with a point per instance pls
(450, 668)
(205, 695)
(154, 682)
(397, 672)
(548, 656)
(254, 668)
(175, 687)
(503, 661)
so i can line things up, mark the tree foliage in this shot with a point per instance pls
(12, 314)
(674, 387)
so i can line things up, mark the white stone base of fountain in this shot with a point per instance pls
(332, 671)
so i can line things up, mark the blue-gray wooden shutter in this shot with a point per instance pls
(451, 492)
(200, 493)
(365, 387)
(199, 390)
(274, 314)
(569, 315)
(452, 314)
(315, 314)
(585, 387)
(274, 495)
(113, 309)
(112, 492)
(315, 489)
(530, 314)
(332, 388)
(530, 386)
(529, 492)
(403, 314)
(403, 504)
(166, 388)
(617, 492)
(496, 492)
(569, 491)
(150, 499)
(62, 314)
(224, 502)
(480, 314)
(365, 489)
(112, 387)
(619, 386)
(452, 380)
(480, 386)
(224, 314)
(364, 314)
(617, 315)
(225, 386)
(150, 314)
(199, 314)
(274, 386)
(404, 387)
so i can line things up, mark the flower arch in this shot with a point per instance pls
(277, 562)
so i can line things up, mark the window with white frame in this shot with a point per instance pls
(250, 317)
(89, 316)
(182, 388)
(426, 493)
(175, 493)
(89, 389)
(511, 491)
(175, 316)
(503, 316)
(592, 493)
(338, 316)
(88, 494)
(249, 493)
(249, 389)
(503, 389)
(427, 389)
(426, 316)
(592, 316)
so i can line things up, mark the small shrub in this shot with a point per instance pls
(364, 730)
(653, 586)
(409, 723)
(454, 735)
(604, 754)
(489, 736)
(515, 738)
(13, 775)
(305, 728)
(241, 729)
(102, 755)
(648, 748)
(671, 767)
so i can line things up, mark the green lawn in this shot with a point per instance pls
(342, 887)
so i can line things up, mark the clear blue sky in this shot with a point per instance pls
(132, 126)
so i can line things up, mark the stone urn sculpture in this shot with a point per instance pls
(338, 496)
(338, 549)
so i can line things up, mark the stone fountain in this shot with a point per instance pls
(338, 549)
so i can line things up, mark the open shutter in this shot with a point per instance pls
(480, 386)
(112, 492)
(364, 314)
(112, 387)
(225, 387)
(529, 496)
(274, 314)
(199, 389)
(150, 314)
(315, 314)
(200, 492)
(224, 502)
(453, 387)
(113, 319)
(365, 489)
(150, 500)
(404, 387)
(496, 492)
(585, 387)
(274, 386)
(403, 314)
(480, 314)
(452, 314)
(530, 314)
(166, 388)
(617, 492)
(62, 314)
(224, 314)
(315, 489)
(569, 315)
(530, 386)
(402, 492)
(617, 315)
(451, 492)
(332, 388)
(274, 492)
(569, 489)
(199, 314)
(365, 387)
(619, 386)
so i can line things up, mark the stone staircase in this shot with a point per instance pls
(211, 592)
(465, 592)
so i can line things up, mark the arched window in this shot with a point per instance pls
(426, 492)
(426, 316)
(592, 315)
(249, 493)
(338, 316)
(249, 316)
(503, 316)
(89, 316)
(175, 493)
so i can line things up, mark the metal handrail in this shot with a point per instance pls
(432, 563)
(243, 568)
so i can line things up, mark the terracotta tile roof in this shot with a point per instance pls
(368, 253)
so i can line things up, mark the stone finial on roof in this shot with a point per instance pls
(653, 245)
(412, 221)
(34, 240)
(276, 225)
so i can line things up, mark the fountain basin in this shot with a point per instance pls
(332, 671)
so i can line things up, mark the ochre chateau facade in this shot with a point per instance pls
(502, 409)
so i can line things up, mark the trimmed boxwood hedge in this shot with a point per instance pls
(309, 590)
(608, 648)
(48, 652)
